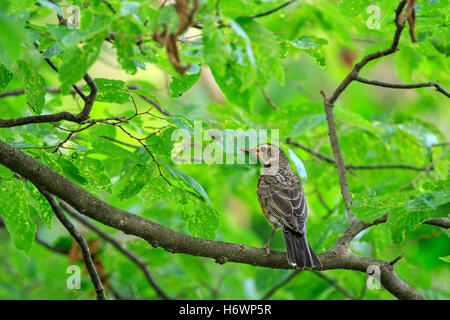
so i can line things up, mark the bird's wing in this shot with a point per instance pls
(287, 204)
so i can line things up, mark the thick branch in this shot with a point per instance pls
(107, 237)
(81, 242)
(159, 236)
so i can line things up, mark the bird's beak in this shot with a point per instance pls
(253, 152)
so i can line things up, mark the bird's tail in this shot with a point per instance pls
(299, 252)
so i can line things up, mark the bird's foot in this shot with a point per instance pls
(267, 249)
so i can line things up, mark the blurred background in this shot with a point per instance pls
(375, 126)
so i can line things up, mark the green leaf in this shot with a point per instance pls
(230, 65)
(110, 149)
(71, 171)
(16, 214)
(52, 51)
(312, 46)
(298, 164)
(156, 190)
(77, 61)
(216, 50)
(93, 171)
(441, 41)
(248, 45)
(201, 219)
(401, 222)
(129, 8)
(135, 177)
(429, 200)
(145, 93)
(353, 8)
(10, 41)
(111, 91)
(126, 48)
(41, 206)
(34, 87)
(52, 6)
(190, 182)
(445, 259)
(308, 42)
(178, 86)
(183, 124)
(307, 123)
(266, 50)
(368, 207)
(405, 214)
(5, 77)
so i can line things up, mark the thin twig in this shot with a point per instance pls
(427, 169)
(150, 101)
(81, 242)
(49, 245)
(404, 86)
(396, 259)
(107, 237)
(120, 142)
(266, 96)
(280, 285)
(336, 285)
(273, 10)
(351, 166)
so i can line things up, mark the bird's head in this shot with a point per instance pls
(269, 155)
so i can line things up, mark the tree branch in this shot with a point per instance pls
(49, 246)
(427, 169)
(443, 223)
(351, 166)
(329, 105)
(56, 117)
(266, 96)
(18, 92)
(357, 68)
(273, 10)
(150, 101)
(338, 159)
(172, 241)
(404, 86)
(81, 242)
(107, 237)
(280, 285)
(63, 251)
(336, 285)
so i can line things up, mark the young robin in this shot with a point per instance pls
(282, 200)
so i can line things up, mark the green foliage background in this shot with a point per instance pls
(293, 53)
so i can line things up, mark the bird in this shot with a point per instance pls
(282, 199)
